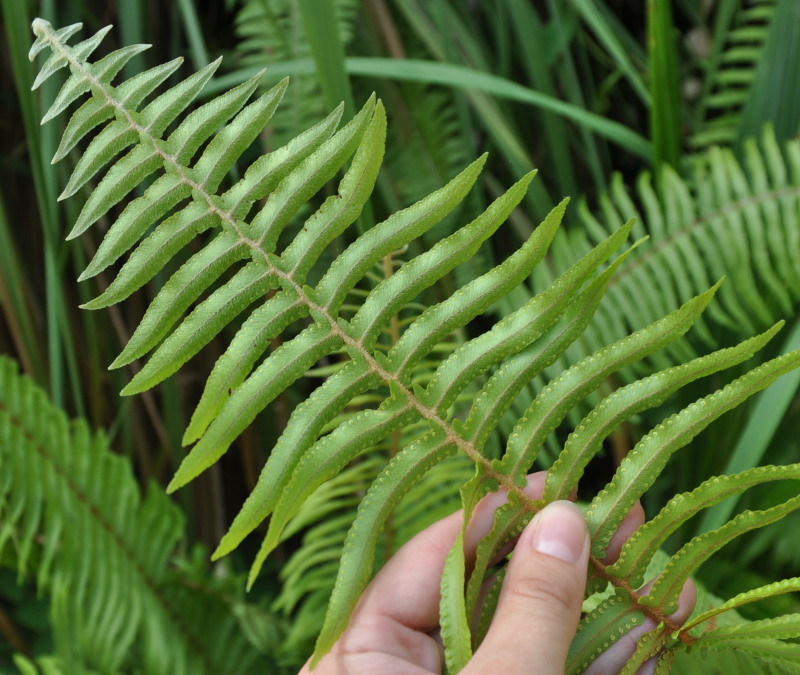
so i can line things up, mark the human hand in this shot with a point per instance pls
(394, 628)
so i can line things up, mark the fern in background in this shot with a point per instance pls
(732, 72)
(125, 595)
(726, 218)
(260, 260)
(272, 31)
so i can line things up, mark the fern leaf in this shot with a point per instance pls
(600, 628)
(250, 283)
(325, 517)
(456, 637)
(390, 235)
(272, 31)
(96, 110)
(339, 492)
(157, 201)
(731, 77)
(769, 656)
(113, 139)
(182, 289)
(647, 646)
(664, 663)
(551, 406)
(777, 628)
(421, 272)
(358, 552)
(199, 125)
(235, 364)
(469, 301)
(585, 441)
(726, 217)
(154, 118)
(284, 366)
(307, 178)
(513, 333)
(301, 432)
(489, 606)
(685, 562)
(496, 396)
(343, 208)
(173, 234)
(169, 190)
(169, 237)
(119, 181)
(42, 30)
(638, 470)
(100, 548)
(329, 456)
(58, 59)
(766, 166)
(643, 544)
(103, 71)
(770, 590)
(513, 516)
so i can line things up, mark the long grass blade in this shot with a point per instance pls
(460, 77)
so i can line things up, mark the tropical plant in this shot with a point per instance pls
(377, 339)
(126, 593)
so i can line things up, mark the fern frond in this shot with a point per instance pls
(272, 31)
(648, 646)
(585, 441)
(310, 573)
(770, 657)
(641, 466)
(263, 262)
(552, 405)
(603, 626)
(73, 516)
(779, 628)
(754, 595)
(685, 562)
(453, 616)
(725, 219)
(766, 656)
(730, 79)
(646, 541)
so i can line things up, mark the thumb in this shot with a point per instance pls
(540, 602)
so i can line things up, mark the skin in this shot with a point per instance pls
(394, 628)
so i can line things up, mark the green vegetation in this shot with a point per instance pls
(380, 364)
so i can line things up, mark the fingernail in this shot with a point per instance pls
(559, 530)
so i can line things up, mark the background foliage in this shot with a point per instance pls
(659, 110)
